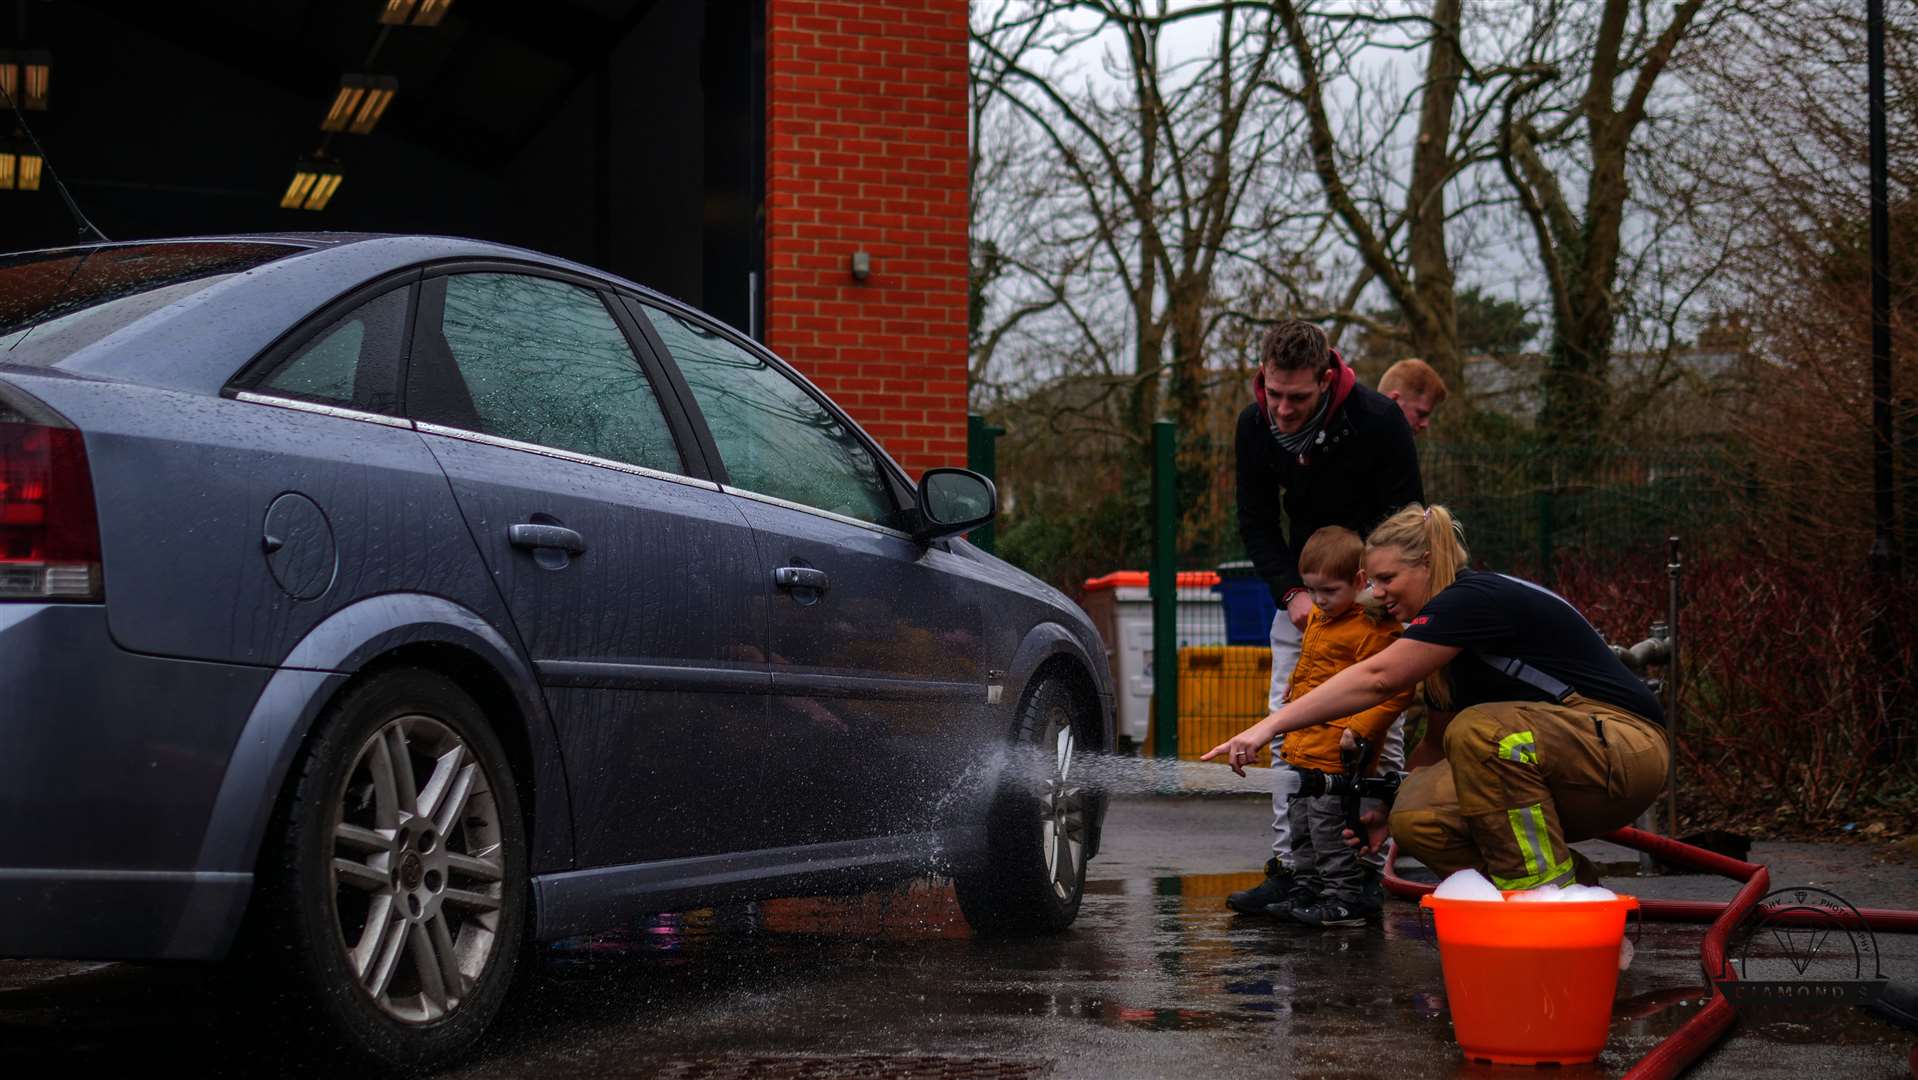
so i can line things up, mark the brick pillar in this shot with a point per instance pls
(866, 140)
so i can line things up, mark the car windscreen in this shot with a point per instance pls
(54, 303)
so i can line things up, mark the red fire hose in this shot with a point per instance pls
(1678, 1050)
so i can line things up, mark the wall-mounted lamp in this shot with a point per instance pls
(19, 168)
(861, 264)
(314, 182)
(420, 12)
(361, 102)
(27, 77)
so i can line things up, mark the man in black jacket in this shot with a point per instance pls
(1314, 449)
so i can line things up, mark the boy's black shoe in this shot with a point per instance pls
(1277, 886)
(1300, 895)
(1333, 913)
(1287, 910)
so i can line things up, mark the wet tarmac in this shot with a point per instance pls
(1156, 979)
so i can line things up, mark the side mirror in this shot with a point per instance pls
(952, 501)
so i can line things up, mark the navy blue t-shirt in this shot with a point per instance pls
(1497, 615)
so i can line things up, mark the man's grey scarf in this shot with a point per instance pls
(1301, 440)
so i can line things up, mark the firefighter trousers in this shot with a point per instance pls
(1521, 780)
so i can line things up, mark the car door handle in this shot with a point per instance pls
(801, 577)
(535, 537)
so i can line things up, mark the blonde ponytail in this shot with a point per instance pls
(1445, 541)
(1427, 536)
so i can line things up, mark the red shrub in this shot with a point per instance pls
(1784, 707)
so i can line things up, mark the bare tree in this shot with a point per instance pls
(1154, 162)
(1784, 187)
(999, 149)
(1566, 143)
(1400, 245)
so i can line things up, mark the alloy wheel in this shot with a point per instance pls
(1062, 808)
(417, 868)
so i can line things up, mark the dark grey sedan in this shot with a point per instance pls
(371, 607)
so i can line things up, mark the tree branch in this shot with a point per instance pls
(1324, 150)
(1655, 62)
(1533, 201)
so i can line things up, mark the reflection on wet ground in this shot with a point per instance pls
(1156, 978)
(1148, 955)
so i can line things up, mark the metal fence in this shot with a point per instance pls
(1522, 509)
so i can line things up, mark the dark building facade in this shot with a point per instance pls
(732, 153)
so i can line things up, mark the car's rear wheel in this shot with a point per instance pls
(1039, 826)
(397, 889)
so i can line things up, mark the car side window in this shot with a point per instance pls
(774, 437)
(539, 361)
(354, 362)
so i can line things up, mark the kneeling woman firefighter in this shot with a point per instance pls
(1538, 735)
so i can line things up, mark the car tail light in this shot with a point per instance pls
(49, 531)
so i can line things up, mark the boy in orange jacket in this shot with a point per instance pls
(1332, 886)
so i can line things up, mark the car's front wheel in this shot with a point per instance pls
(1039, 826)
(396, 891)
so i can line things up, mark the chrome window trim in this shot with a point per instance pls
(774, 500)
(324, 410)
(561, 455)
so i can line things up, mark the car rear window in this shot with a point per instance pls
(54, 303)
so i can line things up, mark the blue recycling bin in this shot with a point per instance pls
(1249, 607)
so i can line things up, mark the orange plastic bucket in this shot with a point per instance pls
(1530, 983)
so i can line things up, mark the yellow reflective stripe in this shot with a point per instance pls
(1562, 874)
(1544, 834)
(1535, 845)
(1519, 746)
(1527, 837)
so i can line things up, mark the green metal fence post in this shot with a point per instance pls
(1165, 592)
(982, 457)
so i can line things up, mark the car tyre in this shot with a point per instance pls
(393, 895)
(1038, 827)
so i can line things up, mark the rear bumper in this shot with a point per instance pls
(111, 766)
(120, 914)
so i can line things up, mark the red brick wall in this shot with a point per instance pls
(866, 117)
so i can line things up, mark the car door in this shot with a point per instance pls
(879, 690)
(632, 579)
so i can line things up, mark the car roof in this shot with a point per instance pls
(196, 343)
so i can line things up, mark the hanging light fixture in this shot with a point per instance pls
(360, 103)
(378, 96)
(419, 12)
(28, 169)
(27, 77)
(37, 69)
(346, 103)
(314, 182)
(19, 167)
